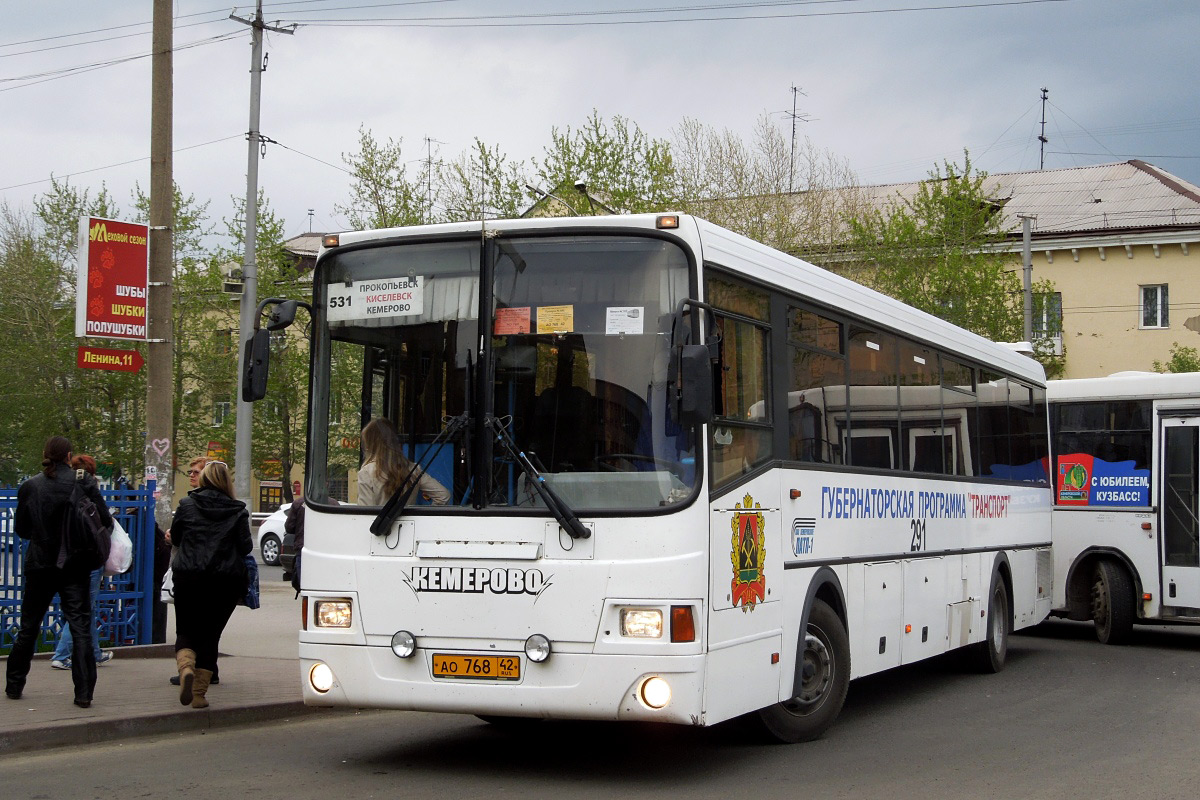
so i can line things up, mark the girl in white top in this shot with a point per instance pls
(385, 468)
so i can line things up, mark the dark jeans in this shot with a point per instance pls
(203, 607)
(73, 588)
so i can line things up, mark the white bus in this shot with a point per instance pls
(691, 477)
(1127, 456)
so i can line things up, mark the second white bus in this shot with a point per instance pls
(1126, 525)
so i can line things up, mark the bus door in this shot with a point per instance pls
(1180, 509)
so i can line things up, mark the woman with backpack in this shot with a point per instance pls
(211, 530)
(57, 561)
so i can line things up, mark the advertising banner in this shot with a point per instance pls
(113, 274)
(1084, 480)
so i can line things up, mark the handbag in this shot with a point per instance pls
(120, 555)
(251, 600)
(166, 592)
(88, 539)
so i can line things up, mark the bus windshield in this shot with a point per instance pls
(572, 361)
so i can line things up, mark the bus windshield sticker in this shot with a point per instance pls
(749, 555)
(555, 319)
(624, 319)
(511, 320)
(376, 299)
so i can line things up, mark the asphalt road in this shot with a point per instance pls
(1068, 718)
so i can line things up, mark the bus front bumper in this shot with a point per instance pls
(565, 686)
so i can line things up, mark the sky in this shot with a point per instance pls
(893, 87)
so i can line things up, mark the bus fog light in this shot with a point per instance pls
(643, 623)
(656, 692)
(321, 677)
(537, 648)
(332, 613)
(404, 644)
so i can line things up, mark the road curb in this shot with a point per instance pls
(82, 732)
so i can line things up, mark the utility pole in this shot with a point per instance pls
(160, 412)
(1027, 279)
(1042, 137)
(245, 419)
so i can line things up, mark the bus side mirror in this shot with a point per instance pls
(256, 361)
(283, 315)
(695, 384)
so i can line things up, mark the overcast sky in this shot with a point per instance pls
(892, 91)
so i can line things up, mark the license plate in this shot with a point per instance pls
(476, 668)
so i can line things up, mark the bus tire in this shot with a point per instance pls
(1112, 603)
(825, 681)
(990, 655)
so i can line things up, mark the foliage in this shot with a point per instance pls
(1183, 359)
(381, 194)
(482, 184)
(623, 168)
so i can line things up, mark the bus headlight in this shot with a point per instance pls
(642, 623)
(332, 613)
(321, 677)
(655, 692)
(537, 648)
(404, 644)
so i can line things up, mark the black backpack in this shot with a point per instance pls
(87, 539)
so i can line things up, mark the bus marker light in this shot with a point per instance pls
(404, 644)
(668, 221)
(321, 677)
(774, 658)
(655, 692)
(331, 240)
(1147, 597)
(537, 648)
(642, 623)
(683, 626)
(1145, 526)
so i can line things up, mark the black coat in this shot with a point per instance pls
(212, 532)
(41, 504)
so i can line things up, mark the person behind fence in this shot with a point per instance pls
(385, 468)
(62, 652)
(211, 530)
(55, 563)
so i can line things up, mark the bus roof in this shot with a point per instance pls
(1123, 385)
(759, 262)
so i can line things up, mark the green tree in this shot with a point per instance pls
(938, 252)
(381, 194)
(624, 168)
(1183, 359)
(482, 184)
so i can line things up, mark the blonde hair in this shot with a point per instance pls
(215, 475)
(381, 445)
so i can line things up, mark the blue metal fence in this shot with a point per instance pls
(124, 611)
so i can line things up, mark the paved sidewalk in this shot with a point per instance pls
(259, 670)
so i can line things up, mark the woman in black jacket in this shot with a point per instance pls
(51, 567)
(211, 530)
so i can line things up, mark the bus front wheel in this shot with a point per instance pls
(824, 681)
(1112, 603)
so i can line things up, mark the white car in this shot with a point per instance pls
(270, 536)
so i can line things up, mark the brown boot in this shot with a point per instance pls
(185, 660)
(203, 676)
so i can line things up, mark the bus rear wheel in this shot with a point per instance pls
(1112, 603)
(991, 654)
(824, 681)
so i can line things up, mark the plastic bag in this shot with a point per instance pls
(120, 554)
(251, 600)
(166, 594)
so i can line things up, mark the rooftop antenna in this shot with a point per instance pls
(1042, 137)
(796, 90)
(310, 215)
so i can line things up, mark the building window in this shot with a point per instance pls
(222, 408)
(1048, 320)
(1154, 306)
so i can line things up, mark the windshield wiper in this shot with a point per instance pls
(562, 512)
(395, 505)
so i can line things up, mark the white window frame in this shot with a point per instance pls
(1161, 306)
